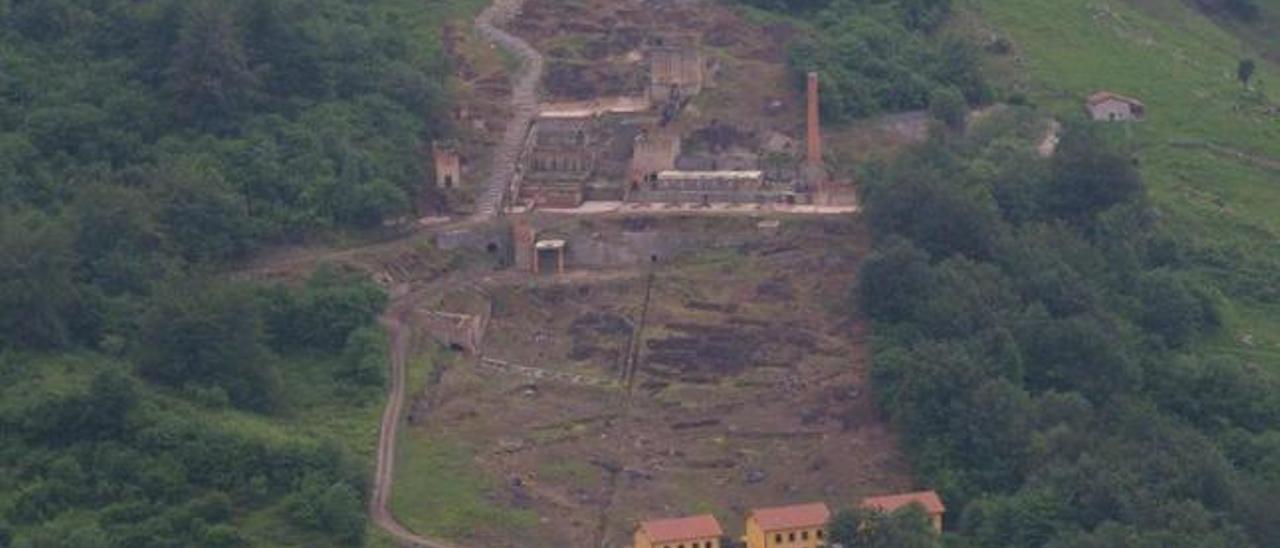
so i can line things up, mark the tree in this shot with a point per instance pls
(1173, 310)
(1244, 71)
(364, 358)
(37, 294)
(208, 76)
(1089, 177)
(324, 313)
(334, 508)
(117, 238)
(205, 220)
(894, 281)
(907, 527)
(1245, 10)
(208, 336)
(947, 105)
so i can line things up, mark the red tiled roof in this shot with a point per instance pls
(792, 517)
(888, 503)
(1104, 96)
(675, 529)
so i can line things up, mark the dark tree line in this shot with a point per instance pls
(884, 56)
(1036, 325)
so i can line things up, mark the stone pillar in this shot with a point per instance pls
(524, 239)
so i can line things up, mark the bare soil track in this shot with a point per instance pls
(384, 476)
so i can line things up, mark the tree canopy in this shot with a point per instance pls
(1036, 331)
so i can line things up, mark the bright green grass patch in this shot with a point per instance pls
(1250, 333)
(439, 492)
(1181, 65)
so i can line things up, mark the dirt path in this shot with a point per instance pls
(384, 476)
(524, 102)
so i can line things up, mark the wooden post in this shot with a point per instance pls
(560, 261)
(536, 257)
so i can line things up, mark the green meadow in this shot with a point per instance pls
(1209, 147)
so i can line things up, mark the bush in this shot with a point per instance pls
(209, 335)
(364, 359)
(947, 106)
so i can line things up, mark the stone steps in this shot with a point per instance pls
(524, 102)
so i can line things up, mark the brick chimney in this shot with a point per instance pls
(813, 137)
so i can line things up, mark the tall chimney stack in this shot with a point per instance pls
(814, 136)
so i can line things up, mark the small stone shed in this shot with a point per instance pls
(1105, 106)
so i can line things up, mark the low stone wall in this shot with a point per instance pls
(628, 248)
(719, 197)
(493, 237)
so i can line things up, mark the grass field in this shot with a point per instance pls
(438, 491)
(1206, 139)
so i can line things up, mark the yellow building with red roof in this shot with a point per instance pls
(796, 526)
(688, 532)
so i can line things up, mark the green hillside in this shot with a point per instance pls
(146, 150)
(1209, 148)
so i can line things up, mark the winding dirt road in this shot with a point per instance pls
(524, 101)
(396, 322)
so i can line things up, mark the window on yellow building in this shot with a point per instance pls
(791, 537)
(819, 533)
(804, 535)
(778, 538)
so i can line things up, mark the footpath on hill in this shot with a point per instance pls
(524, 100)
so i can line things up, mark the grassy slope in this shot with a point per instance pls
(438, 490)
(1183, 66)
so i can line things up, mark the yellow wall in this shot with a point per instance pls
(643, 542)
(759, 538)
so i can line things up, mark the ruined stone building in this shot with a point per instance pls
(1105, 106)
(560, 159)
(653, 152)
(677, 68)
(448, 164)
(713, 187)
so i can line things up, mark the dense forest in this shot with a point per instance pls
(1034, 325)
(881, 55)
(145, 147)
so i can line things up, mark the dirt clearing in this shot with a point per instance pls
(748, 389)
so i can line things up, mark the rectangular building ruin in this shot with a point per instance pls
(560, 159)
(653, 152)
(708, 187)
(676, 68)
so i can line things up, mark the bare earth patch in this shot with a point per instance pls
(747, 390)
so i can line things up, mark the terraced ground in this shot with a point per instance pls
(1209, 149)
